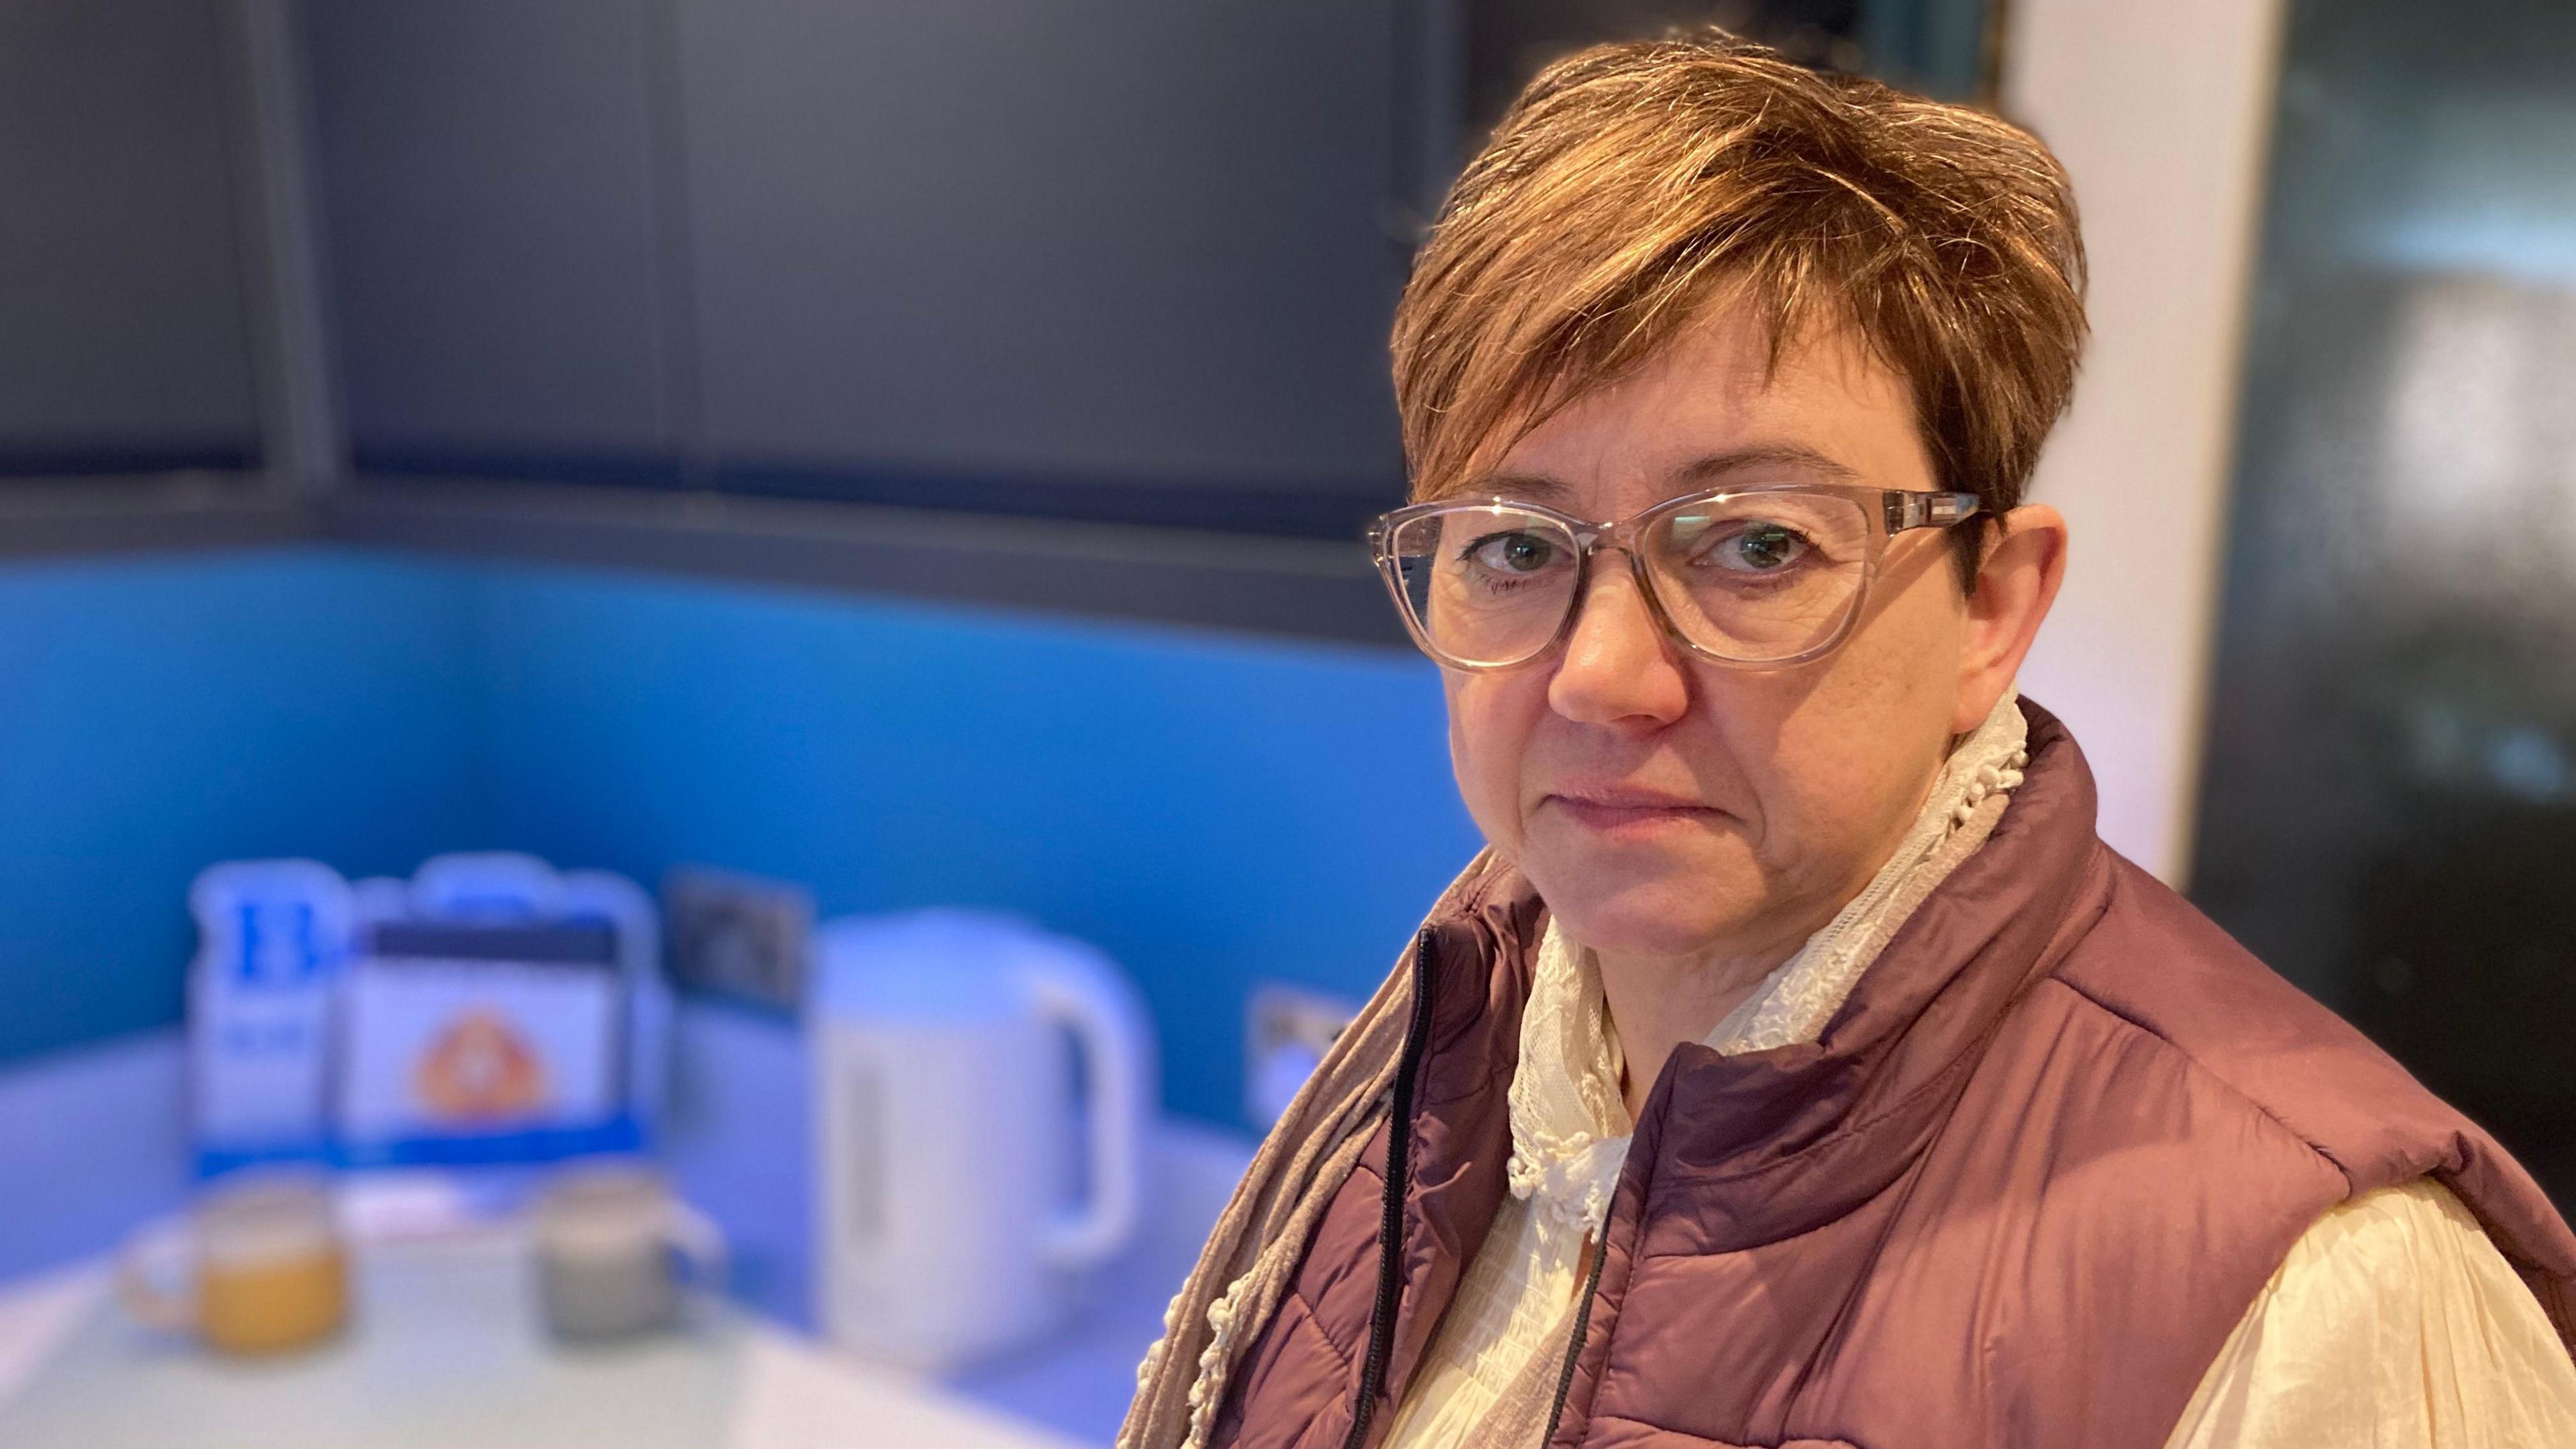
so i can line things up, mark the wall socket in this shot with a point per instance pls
(1287, 1030)
(744, 935)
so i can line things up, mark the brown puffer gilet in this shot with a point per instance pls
(2020, 1191)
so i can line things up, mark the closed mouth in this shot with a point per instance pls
(1608, 810)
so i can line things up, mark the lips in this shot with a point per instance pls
(1625, 809)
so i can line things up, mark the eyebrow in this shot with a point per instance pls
(1714, 468)
(1769, 455)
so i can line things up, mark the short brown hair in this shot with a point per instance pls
(1631, 182)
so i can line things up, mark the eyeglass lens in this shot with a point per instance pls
(1755, 577)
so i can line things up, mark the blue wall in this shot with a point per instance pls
(159, 714)
(1213, 810)
(1210, 810)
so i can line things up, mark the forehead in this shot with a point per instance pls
(1713, 409)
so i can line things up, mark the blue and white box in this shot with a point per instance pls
(273, 938)
(488, 1009)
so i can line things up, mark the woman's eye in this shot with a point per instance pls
(1759, 548)
(1516, 553)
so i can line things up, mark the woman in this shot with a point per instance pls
(1797, 1066)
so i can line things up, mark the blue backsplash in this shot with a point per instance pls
(1213, 810)
(160, 713)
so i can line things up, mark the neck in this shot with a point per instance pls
(1658, 1003)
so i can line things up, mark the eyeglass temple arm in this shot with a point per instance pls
(1929, 510)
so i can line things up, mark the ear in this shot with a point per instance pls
(2025, 561)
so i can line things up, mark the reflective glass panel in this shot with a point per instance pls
(2389, 801)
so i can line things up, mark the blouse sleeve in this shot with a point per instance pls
(2392, 1323)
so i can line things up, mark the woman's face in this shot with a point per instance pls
(1667, 807)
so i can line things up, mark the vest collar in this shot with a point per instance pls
(1765, 1144)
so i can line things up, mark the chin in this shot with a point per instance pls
(1666, 908)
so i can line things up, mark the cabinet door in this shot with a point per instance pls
(488, 187)
(120, 263)
(1063, 244)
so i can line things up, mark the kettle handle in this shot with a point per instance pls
(1103, 1016)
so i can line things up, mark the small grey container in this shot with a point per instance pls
(610, 1243)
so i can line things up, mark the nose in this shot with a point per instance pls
(1618, 665)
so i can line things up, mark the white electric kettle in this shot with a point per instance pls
(949, 1146)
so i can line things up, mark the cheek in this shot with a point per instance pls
(1490, 719)
(1854, 756)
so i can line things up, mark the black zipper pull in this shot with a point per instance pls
(1582, 1325)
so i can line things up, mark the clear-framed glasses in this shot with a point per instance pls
(1764, 576)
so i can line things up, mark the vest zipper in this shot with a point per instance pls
(1390, 1233)
(1582, 1325)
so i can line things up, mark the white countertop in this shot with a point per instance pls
(446, 1350)
(90, 1149)
(37, 1314)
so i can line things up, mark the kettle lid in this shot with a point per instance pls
(943, 962)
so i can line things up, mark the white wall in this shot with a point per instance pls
(2162, 114)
